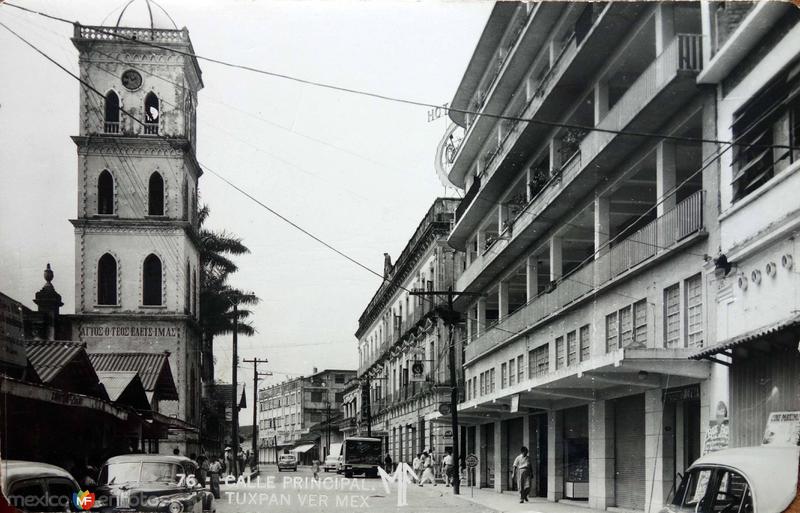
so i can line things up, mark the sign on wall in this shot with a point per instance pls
(783, 429)
(12, 345)
(142, 330)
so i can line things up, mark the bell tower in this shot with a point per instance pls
(137, 264)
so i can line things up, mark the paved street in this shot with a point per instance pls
(296, 491)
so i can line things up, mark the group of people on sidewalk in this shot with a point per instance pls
(424, 466)
(209, 469)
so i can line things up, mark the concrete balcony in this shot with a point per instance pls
(666, 84)
(545, 96)
(653, 241)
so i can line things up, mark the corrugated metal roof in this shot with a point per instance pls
(116, 382)
(50, 358)
(746, 337)
(153, 369)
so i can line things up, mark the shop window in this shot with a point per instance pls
(151, 281)
(107, 280)
(769, 123)
(539, 361)
(520, 368)
(105, 193)
(694, 311)
(584, 343)
(111, 125)
(672, 316)
(155, 195)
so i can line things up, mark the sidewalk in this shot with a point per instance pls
(509, 502)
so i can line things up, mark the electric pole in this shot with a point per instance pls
(235, 394)
(450, 318)
(256, 374)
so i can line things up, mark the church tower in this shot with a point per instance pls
(137, 268)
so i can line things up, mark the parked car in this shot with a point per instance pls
(287, 462)
(33, 486)
(332, 459)
(745, 480)
(151, 482)
(361, 455)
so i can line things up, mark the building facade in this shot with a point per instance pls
(136, 256)
(298, 415)
(403, 341)
(753, 65)
(587, 230)
(350, 425)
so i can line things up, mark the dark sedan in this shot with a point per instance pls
(150, 482)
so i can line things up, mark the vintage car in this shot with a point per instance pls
(287, 462)
(151, 482)
(745, 480)
(33, 486)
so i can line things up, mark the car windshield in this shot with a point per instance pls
(287, 458)
(118, 473)
(136, 472)
(693, 488)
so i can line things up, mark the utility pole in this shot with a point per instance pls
(256, 374)
(451, 317)
(235, 394)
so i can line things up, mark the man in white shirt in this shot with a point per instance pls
(447, 467)
(417, 466)
(522, 474)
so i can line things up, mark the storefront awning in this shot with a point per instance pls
(302, 448)
(726, 347)
(52, 395)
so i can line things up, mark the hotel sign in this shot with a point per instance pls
(133, 330)
(12, 345)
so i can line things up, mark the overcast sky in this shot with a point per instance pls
(357, 172)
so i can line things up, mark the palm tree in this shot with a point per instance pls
(217, 297)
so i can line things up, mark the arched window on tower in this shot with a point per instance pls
(105, 193)
(155, 203)
(152, 113)
(107, 280)
(151, 281)
(112, 113)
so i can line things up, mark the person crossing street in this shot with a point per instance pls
(522, 474)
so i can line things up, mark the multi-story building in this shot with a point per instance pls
(753, 64)
(350, 424)
(403, 343)
(289, 411)
(136, 256)
(587, 217)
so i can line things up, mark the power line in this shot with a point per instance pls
(395, 99)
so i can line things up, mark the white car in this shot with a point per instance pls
(744, 480)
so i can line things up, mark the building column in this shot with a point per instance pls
(602, 224)
(479, 453)
(555, 455)
(665, 26)
(500, 460)
(526, 432)
(555, 152)
(600, 101)
(657, 486)
(481, 315)
(502, 299)
(665, 176)
(601, 455)
(532, 274)
(556, 261)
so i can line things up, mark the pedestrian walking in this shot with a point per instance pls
(522, 473)
(427, 469)
(230, 462)
(315, 469)
(448, 467)
(202, 470)
(214, 470)
(387, 463)
(416, 466)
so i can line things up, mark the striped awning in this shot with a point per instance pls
(302, 448)
(726, 347)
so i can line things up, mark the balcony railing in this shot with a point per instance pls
(660, 235)
(727, 18)
(111, 127)
(151, 128)
(105, 33)
(684, 53)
